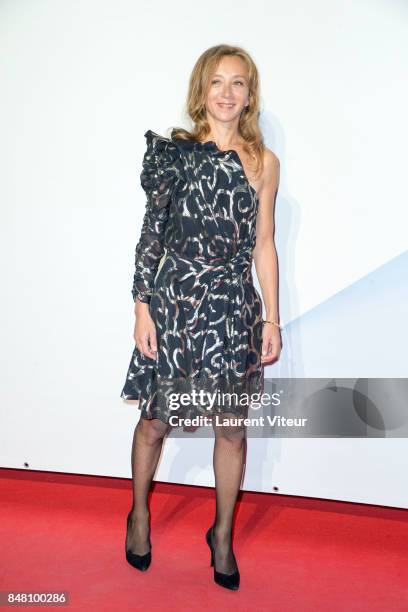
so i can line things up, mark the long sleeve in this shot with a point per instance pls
(160, 174)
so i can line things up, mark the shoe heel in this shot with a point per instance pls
(208, 540)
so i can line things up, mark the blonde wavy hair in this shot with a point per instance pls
(199, 84)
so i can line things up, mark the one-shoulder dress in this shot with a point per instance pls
(193, 266)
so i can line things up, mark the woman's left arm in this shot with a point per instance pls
(265, 257)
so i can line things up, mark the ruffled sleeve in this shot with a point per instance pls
(159, 177)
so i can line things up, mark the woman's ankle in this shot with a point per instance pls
(139, 514)
(222, 532)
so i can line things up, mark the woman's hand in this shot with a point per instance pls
(145, 330)
(271, 343)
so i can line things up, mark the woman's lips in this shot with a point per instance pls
(225, 105)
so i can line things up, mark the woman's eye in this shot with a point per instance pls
(213, 82)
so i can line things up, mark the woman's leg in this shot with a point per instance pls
(228, 460)
(146, 449)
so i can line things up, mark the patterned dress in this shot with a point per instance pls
(201, 216)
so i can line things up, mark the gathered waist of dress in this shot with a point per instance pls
(236, 267)
(243, 255)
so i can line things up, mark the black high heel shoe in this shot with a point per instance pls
(229, 581)
(140, 562)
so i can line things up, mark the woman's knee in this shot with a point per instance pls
(152, 430)
(230, 429)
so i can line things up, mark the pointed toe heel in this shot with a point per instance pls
(228, 581)
(140, 562)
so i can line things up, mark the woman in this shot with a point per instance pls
(210, 197)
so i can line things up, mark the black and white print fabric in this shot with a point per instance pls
(200, 224)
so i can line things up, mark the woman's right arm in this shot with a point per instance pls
(158, 178)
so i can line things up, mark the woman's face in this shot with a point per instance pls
(228, 90)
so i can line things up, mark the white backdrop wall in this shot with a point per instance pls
(81, 83)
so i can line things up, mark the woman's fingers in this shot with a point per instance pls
(146, 342)
(271, 346)
(267, 354)
(152, 343)
(142, 344)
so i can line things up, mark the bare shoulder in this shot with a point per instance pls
(271, 161)
(271, 170)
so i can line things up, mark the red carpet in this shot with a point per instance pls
(62, 532)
